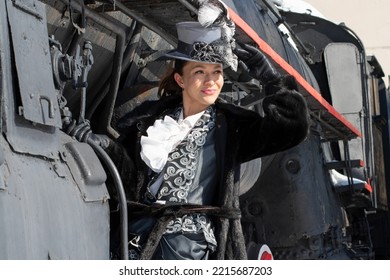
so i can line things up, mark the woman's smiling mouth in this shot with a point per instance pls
(208, 91)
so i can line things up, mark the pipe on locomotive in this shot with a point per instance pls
(122, 196)
(108, 111)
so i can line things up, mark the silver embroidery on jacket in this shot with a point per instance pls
(179, 176)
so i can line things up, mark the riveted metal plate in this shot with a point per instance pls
(33, 62)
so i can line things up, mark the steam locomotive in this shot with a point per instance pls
(70, 69)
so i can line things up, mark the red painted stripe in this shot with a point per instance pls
(367, 186)
(290, 70)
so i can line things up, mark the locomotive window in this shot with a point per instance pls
(343, 68)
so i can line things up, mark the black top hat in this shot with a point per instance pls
(204, 44)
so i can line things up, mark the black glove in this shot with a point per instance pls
(288, 108)
(255, 64)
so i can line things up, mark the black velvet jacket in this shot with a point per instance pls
(241, 135)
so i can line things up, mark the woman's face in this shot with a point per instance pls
(201, 84)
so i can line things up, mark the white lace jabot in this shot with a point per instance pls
(163, 136)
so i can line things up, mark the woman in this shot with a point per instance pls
(184, 201)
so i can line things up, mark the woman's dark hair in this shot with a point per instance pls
(168, 85)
